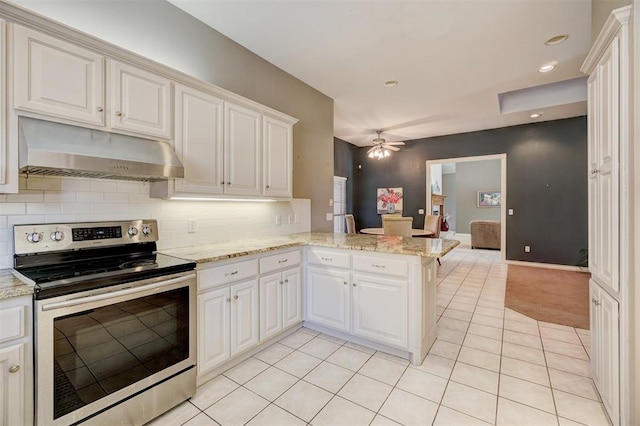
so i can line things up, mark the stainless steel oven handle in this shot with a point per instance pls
(124, 292)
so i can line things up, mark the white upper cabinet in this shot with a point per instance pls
(140, 101)
(243, 143)
(277, 154)
(198, 141)
(61, 80)
(57, 78)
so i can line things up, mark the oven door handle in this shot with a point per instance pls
(109, 295)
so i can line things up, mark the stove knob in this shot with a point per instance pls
(34, 237)
(56, 236)
(133, 231)
(146, 229)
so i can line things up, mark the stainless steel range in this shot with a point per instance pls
(114, 321)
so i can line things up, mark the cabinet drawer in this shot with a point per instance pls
(223, 274)
(328, 258)
(12, 320)
(381, 265)
(279, 261)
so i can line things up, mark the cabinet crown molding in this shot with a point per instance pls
(617, 19)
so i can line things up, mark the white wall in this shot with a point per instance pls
(53, 200)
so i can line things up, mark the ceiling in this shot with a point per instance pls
(452, 59)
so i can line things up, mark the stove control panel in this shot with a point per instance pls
(68, 236)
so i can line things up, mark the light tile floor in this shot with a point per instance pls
(489, 365)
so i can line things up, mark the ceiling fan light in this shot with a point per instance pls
(386, 153)
(371, 154)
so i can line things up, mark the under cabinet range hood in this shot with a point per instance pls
(56, 149)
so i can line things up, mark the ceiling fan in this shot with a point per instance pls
(381, 148)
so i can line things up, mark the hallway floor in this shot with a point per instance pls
(489, 365)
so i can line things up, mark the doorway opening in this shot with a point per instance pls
(483, 196)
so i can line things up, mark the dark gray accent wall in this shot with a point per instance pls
(344, 165)
(471, 177)
(449, 190)
(546, 183)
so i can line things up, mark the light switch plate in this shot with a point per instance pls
(420, 211)
(191, 226)
(510, 212)
(329, 217)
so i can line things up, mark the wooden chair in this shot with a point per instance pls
(351, 223)
(433, 223)
(397, 225)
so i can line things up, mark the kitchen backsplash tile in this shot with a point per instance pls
(54, 199)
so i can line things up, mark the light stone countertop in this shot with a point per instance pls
(11, 286)
(424, 247)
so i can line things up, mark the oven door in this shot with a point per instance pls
(97, 348)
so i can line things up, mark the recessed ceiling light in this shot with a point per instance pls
(390, 83)
(536, 115)
(556, 39)
(547, 67)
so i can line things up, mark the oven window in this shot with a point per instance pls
(100, 351)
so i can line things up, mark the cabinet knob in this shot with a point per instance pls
(267, 186)
(228, 300)
(14, 369)
(235, 297)
(281, 282)
(99, 109)
(596, 302)
(354, 284)
(595, 171)
(286, 281)
(344, 282)
(119, 114)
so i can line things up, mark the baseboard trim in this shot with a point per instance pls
(548, 266)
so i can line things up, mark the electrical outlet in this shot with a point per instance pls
(527, 249)
(290, 219)
(329, 217)
(420, 211)
(510, 212)
(296, 218)
(191, 226)
(330, 202)
(278, 219)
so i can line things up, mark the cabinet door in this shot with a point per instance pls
(213, 329)
(605, 349)
(198, 141)
(57, 78)
(270, 305)
(140, 101)
(327, 298)
(242, 135)
(278, 157)
(607, 169)
(380, 309)
(245, 320)
(12, 385)
(593, 126)
(291, 297)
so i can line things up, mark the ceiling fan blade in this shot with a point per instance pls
(371, 149)
(398, 143)
(392, 148)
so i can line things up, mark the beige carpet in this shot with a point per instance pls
(550, 295)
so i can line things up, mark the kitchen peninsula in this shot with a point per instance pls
(378, 291)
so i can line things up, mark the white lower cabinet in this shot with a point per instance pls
(16, 361)
(605, 352)
(385, 299)
(328, 298)
(380, 309)
(244, 316)
(280, 302)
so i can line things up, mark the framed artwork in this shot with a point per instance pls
(389, 200)
(489, 199)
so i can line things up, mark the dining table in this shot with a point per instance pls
(380, 231)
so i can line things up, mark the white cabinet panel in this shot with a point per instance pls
(198, 141)
(270, 305)
(57, 78)
(605, 349)
(243, 150)
(140, 101)
(245, 319)
(291, 297)
(328, 298)
(380, 309)
(214, 340)
(278, 158)
(12, 382)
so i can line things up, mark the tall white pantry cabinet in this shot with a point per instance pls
(609, 66)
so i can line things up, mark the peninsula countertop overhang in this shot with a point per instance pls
(423, 247)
